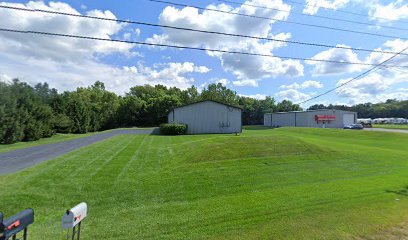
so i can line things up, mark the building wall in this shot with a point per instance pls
(307, 119)
(208, 117)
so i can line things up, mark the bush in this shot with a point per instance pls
(173, 129)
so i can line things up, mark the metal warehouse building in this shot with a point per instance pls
(208, 117)
(323, 118)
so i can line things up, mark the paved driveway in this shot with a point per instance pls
(19, 159)
(386, 130)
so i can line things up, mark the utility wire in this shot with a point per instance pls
(365, 73)
(315, 16)
(196, 30)
(185, 47)
(279, 20)
(347, 12)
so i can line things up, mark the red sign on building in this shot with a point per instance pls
(325, 118)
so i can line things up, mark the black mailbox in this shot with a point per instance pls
(17, 223)
(1, 227)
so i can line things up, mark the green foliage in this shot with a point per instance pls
(173, 129)
(24, 113)
(30, 113)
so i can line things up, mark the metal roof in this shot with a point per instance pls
(209, 100)
(317, 110)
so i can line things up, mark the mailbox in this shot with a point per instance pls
(17, 223)
(74, 216)
(1, 226)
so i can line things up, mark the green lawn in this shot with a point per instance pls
(391, 126)
(281, 183)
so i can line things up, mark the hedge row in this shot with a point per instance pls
(173, 129)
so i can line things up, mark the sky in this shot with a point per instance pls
(67, 63)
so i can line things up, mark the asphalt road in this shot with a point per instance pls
(386, 130)
(19, 159)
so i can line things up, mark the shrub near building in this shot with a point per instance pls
(173, 129)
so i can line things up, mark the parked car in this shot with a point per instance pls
(354, 126)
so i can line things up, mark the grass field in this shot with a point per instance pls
(264, 184)
(391, 126)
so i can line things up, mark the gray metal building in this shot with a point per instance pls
(323, 118)
(208, 117)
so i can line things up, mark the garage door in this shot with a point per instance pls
(348, 119)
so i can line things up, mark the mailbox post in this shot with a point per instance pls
(1, 227)
(17, 223)
(74, 217)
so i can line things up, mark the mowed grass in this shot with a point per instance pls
(282, 183)
(391, 126)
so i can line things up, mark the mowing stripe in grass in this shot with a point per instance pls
(111, 149)
(131, 160)
(118, 152)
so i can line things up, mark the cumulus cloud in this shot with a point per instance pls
(393, 11)
(245, 83)
(313, 6)
(223, 81)
(247, 69)
(376, 87)
(292, 95)
(58, 48)
(304, 85)
(335, 54)
(66, 63)
(256, 96)
(169, 74)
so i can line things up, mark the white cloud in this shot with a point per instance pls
(393, 11)
(376, 87)
(245, 83)
(347, 55)
(292, 95)
(256, 96)
(335, 54)
(67, 63)
(313, 6)
(247, 69)
(304, 85)
(60, 49)
(223, 81)
(5, 78)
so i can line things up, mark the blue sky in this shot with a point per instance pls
(68, 63)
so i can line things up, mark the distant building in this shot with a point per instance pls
(323, 118)
(208, 117)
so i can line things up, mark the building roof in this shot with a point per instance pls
(208, 100)
(317, 110)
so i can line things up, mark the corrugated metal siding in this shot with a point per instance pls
(306, 119)
(208, 117)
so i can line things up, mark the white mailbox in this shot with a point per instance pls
(74, 216)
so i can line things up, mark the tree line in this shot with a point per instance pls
(388, 109)
(29, 113)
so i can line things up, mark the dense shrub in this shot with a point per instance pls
(173, 129)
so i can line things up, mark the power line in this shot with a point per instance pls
(185, 47)
(280, 20)
(376, 67)
(315, 16)
(347, 12)
(196, 30)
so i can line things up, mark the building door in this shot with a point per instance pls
(348, 118)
